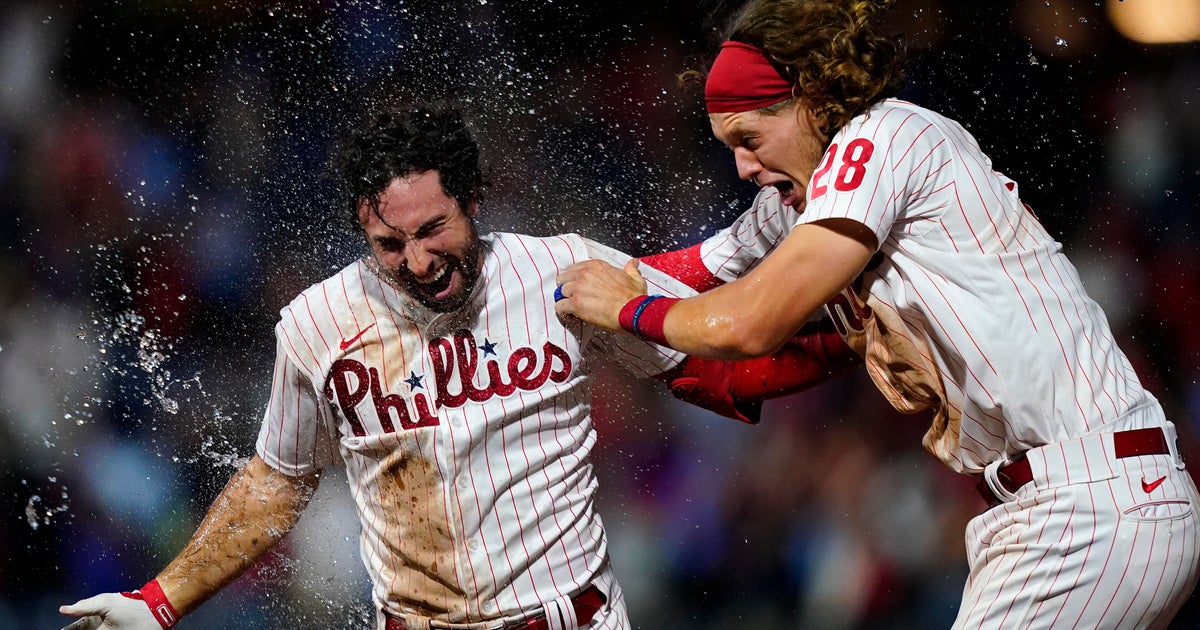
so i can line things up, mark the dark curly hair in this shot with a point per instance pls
(398, 142)
(832, 50)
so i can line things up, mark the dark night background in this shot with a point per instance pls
(162, 196)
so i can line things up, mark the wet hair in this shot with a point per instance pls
(832, 50)
(399, 142)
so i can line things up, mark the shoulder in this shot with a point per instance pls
(539, 249)
(330, 296)
(899, 132)
(890, 118)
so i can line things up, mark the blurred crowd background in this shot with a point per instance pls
(162, 196)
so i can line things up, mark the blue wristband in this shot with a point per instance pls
(637, 314)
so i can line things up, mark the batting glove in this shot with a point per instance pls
(144, 609)
(709, 384)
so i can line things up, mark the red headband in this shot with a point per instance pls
(743, 79)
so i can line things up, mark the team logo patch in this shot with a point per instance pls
(459, 376)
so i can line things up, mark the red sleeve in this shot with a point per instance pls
(736, 389)
(812, 356)
(686, 266)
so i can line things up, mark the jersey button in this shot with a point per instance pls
(473, 544)
(463, 483)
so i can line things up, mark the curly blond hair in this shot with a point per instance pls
(833, 51)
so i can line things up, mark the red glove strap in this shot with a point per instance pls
(644, 316)
(162, 609)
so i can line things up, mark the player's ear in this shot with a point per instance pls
(472, 208)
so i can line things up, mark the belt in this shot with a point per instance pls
(1125, 444)
(586, 605)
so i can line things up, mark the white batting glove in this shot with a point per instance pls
(144, 609)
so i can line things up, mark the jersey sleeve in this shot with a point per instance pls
(641, 358)
(871, 169)
(733, 251)
(297, 435)
(684, 265)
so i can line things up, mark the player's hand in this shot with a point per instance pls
(110, 611)
(595, 291)
(711, 385)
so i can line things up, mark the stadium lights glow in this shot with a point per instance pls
(1156, 21)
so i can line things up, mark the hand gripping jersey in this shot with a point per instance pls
(466, 436)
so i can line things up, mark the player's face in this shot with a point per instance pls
(424, 241)
(779, 149)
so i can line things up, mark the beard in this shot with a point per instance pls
(462, 272)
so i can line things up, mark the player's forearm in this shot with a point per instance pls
(756, 314)
(729, 324)
(736, 389)
(809, 358)
(748, 318)
(254, 511)
(685, 265)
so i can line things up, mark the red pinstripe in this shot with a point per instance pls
(317, 329)
(1106, 344)
(525, 303)
(372, 517)
(929, 191)
(1059, 338)
(871, 218)
(741, 250)
(534, 546)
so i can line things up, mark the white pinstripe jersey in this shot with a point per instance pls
(969, 306)
(466, 436)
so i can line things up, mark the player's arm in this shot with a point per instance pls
(730, 252)
(256, 509)
(750, 317)
(685, 265)
(736, 389)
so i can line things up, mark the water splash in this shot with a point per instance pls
(129, 329)
(38, 514)
(31, 511)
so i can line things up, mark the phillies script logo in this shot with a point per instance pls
(455, 363)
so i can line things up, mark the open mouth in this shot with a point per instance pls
(788, 194)
(439, 285)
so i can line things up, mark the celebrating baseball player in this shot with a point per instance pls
(458, 402)
(891, 217)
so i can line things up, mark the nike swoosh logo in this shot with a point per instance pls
(1149, 487)
(346, 343)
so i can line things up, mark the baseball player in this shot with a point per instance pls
(436, 370)
(891, 217)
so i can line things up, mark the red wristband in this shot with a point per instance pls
(645, 315)
(162, 609)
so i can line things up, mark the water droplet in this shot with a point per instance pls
(31, 516)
